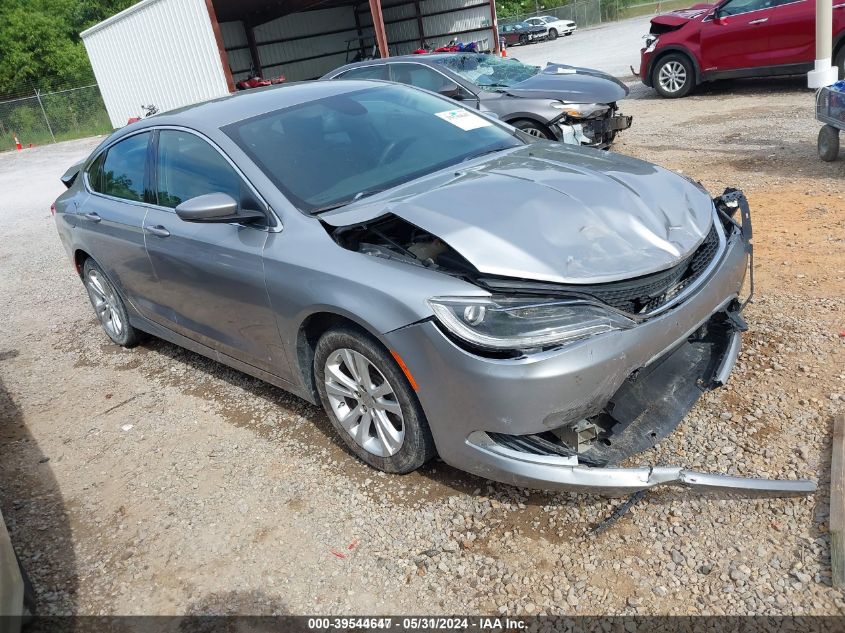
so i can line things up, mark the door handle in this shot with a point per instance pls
(94, 217)
(759, 21)
(157, 230)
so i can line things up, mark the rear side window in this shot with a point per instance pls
(189, 167)
(123, 169)
(95, 172)
(378, 71)
(420, 76)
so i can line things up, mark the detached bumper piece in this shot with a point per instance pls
(565, 473)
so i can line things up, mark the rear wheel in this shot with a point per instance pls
(828, 143)
(673, 76)
(533, 128)
(552, 34)
(108, 306)
(370, 402)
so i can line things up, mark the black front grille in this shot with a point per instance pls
(646, 294)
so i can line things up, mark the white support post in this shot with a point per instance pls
(824, 73)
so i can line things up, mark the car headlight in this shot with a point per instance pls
(524, 323)
(581, 110)
(650, 42)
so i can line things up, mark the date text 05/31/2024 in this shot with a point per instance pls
(416, 623)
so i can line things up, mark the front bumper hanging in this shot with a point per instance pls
(565, 473)
(647, 408)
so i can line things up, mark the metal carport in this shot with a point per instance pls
(304, 39)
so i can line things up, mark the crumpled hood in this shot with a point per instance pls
(548, 212)
(682, 16)
(572, 84)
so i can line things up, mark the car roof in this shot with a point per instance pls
(239, 106)
(420, 59)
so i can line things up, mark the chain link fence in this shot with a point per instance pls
(583, 13)
(586, 13)
(39, 117)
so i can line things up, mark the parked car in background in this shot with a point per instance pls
(555, 25)
(441, 283)
(732, 39)
(574, 105)
(522, 33)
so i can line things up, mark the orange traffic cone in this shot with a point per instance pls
(18, 145)
(504, 52)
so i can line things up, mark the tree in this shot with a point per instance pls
(40, 45)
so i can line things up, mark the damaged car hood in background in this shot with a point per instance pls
(551, 213)
(571, 84)
(682, 16)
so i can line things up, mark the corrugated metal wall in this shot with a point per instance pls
(315, 42)
(158, 51)
(319, 52)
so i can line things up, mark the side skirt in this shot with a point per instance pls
(759, 71)
(170, 336)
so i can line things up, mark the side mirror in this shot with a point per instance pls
(719, 18)
(453, 91)
(215, 207)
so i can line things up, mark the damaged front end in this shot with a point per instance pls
(611, 403)
(590, 125)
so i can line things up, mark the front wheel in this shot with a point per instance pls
(370, 402)
(828, 143)
(534, 129)
(552, 34)
(523, 40)
(108, 306)
(673, 76)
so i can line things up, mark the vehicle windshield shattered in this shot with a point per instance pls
(489, 72)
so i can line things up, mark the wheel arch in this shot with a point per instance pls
(530, 118)
(311, 328)
(676, 49)
(79, 257)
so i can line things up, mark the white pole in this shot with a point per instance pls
(824, 73)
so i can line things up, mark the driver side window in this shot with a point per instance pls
(189, 167)
(737, 7)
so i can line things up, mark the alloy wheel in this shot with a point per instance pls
(533, 131)
(105, 301)
(672, 76)
(364, 402)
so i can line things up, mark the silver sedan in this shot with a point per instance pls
(442, 283)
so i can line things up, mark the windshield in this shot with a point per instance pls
(489, 72)
(332, 151)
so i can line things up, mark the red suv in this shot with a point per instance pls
(734, 38)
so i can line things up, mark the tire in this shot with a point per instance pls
(108, 306)
(523, 39)
(534, 129)
(552, 34)
(389, 431)
(828, 143)
(839, 61)
(673, 76)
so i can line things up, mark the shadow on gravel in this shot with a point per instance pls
(34, 510)
(254, 603)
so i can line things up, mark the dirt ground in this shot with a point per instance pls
(155, 481)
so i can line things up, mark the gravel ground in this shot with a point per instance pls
(613, 47)
(156, 481)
